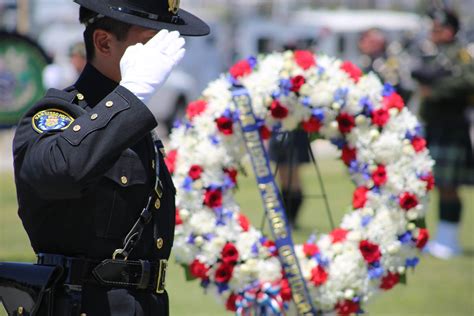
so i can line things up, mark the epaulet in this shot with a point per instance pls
(65, 95)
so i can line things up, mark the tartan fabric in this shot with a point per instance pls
(452, 151)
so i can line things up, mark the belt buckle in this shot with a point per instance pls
(160, 281)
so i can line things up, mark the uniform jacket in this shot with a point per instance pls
(84, 170)
(451, 71)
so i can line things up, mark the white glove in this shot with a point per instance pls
(145, 68)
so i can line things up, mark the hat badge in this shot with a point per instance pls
(173, 6)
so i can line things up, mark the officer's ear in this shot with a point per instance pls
(103, 42)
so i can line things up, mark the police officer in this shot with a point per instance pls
(446, 80)
(94, 193)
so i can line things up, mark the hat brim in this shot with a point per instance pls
(190, 24)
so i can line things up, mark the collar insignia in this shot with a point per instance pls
(173, 6)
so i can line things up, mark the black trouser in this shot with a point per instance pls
(100, 301)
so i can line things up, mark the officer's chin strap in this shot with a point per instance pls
(135, 233)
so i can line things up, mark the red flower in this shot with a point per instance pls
(310, 249)
(312, 125)
(278, 110)
(285, 291)
(195, 108)
(389, 281)
(305, 59)
(408, 200)
(352, 70)
(318, 276)
(338, 235)
(418, 143)
(198, 269)
(297, 82)
(195, 172)
(423, 236)
(241, 69)
(232, 173)
(229, 253)
(360, 197)
(380, 117)
(430, 181)
(244, 222)
(393, 101)
(213, 198)
(346, 122)
(379, 176)
(230, 304)
(347, 307)
(225, 125)
(224, 273)
(170, 160)
(348, 154)
(370, 251)
(178, 219)
(270, 244)
(265, 132)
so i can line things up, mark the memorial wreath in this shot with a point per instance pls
(380, 142)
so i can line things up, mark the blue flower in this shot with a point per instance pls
(214, 139)
(367, 106)
(285, 86)
(412, 262)
(187, 184)
(252, 60)
(375, 271)
(319, 114)
(339, 142)
(306, 101)
(405, 238)
(388, 90)
(222, 287)
(366, 220)
(341, 95)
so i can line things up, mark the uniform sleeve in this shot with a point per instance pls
(60, 164)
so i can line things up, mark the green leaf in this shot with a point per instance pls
(421, 222)
(403, 279)
(187, 273)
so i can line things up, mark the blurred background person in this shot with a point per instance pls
(446, 83)
(383, 58)
(65, 71)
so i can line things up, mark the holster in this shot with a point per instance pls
(25, 288)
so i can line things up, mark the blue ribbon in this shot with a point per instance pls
(272, 201)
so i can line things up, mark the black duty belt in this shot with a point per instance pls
(132, 274)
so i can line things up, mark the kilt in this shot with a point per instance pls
(451, 148)
(290, 148)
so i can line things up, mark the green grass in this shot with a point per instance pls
(436, 288)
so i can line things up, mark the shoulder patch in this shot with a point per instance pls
(51, 120)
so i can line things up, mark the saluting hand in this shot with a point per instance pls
(145, 67)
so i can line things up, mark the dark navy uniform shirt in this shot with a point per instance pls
(84, 169)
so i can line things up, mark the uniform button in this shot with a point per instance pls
(124, 180)
(94, 116)
(159, 243)
(76, 128)
(109, 104)
(157, 204)
(80, 96)
(20, 310)
(153, 164)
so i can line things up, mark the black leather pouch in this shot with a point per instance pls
(26, 288)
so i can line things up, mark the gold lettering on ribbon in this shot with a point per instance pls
(271, 201)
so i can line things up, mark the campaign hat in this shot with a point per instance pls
(152, 14)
